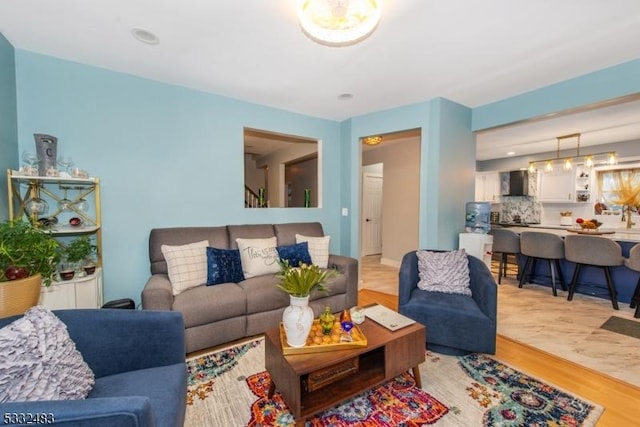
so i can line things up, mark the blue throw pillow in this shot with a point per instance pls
(295, 254)
(223, 266)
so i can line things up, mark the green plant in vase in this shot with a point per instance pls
(80, 252)
(28, 259)
(25, 251)
(299, 282)
(302, 281)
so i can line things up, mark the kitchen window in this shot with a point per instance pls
(619, 187)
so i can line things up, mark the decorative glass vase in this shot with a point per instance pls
(327, 319)
(297, 320)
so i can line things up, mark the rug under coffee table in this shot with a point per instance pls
(387, 355)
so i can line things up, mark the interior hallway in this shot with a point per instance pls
(568, 329)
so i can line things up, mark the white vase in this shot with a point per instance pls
(297, 320)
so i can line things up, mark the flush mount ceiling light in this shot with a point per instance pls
(372, 140)
(338, 22)
(567, 162)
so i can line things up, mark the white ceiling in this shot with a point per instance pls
(467, 51)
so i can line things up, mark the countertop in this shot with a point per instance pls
(620, 234)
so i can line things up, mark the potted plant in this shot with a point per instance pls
(28, 259)
(299, 283)
(79, 252)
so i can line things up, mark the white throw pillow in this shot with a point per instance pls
(446, 272)
(318, 249)
(186, 265)
(39, 361)
(258, 256)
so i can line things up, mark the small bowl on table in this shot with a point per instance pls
(591, 225)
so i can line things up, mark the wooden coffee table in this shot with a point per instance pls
(387, 355)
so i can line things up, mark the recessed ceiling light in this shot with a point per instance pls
(511, 153)
(145, 36)
(345, 96)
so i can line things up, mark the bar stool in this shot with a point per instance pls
(538, 245)
(505, 242)
(633, 263)
(595, 251)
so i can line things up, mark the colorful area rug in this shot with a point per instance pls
(229, 388)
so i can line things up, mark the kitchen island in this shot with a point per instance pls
(591, 281)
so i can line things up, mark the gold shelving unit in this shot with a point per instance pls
(24, 190)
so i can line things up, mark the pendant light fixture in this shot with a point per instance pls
(567, 162)
(338, 22)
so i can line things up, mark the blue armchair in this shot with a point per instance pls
(456, 324)
(138, 359)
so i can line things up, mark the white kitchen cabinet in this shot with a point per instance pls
(556, 186)
(487, 187)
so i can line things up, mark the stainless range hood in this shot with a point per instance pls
(514, 183)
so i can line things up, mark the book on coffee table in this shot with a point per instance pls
(388, 318)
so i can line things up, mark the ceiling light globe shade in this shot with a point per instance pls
(339, 22)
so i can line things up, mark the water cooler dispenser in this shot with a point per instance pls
(475, 241)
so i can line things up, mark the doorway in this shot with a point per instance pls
(389, 206)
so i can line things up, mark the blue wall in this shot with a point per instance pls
(447, 166)
(8, 120)
(592, 88)
(166, 155)
(171, 156)
(455, 170)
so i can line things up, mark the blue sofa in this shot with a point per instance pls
(138, 361)
(456, 324)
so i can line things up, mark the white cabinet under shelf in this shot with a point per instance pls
(83, 292)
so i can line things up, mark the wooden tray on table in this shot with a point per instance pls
(591, 231)
(359, 340)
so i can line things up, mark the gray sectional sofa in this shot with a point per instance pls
(221, 313)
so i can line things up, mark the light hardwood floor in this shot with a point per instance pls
(620, 400)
